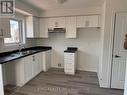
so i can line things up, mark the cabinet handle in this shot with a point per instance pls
(87, 23)
(117, 56)
(1, 30)
(33, 58)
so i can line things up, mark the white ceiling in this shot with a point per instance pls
(69, 4)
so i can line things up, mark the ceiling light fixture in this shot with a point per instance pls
(61, 1)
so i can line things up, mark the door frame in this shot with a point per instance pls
(112, 45)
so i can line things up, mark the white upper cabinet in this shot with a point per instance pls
(81, 21)
(71, 31)
(92, 21)
(43, 27)
(32, 24)
(88, 21)
(5, 28)
(58, 22)
(40, 27)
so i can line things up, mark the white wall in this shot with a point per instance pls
(88, 43)
(111, 7)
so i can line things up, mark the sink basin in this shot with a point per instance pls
(15, 55)
(28, 51)
(25, 52)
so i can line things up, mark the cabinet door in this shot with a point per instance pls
(88, 21)
(29, 27)
(58, 22)
(32, 24)
(28, 72)
(71, 27)
(36, 27)
(92, 21)
(38, 62)
(35, 65)
(61, 22)
(43, 27)
(41, 61)
(81, 20)
(17, 72)
(5, 28)
(46, 60)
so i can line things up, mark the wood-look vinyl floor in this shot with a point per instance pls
(55, 82)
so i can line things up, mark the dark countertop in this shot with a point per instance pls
(71, 49)
(15, 54)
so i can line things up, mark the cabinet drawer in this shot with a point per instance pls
(69, 54)
(69, 65)
(69, 58)
(69, 61)
(69, 69)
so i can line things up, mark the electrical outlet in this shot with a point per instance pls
(59, 65)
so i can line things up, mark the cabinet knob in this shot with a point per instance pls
(56, 24)
(33, 58)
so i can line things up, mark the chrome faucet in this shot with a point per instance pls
(21, 46)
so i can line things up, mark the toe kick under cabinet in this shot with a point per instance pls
(70, 61)
(20, 71)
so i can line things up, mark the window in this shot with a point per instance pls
(15, 30)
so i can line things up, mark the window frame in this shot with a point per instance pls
(21, 30)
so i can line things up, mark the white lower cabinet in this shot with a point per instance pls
(15, 72)
(35, 59)
(70, 61)
(40, 62)
(46, 60)
(20, 71)
(28, 64)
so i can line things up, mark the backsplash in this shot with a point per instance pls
(29, 43)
